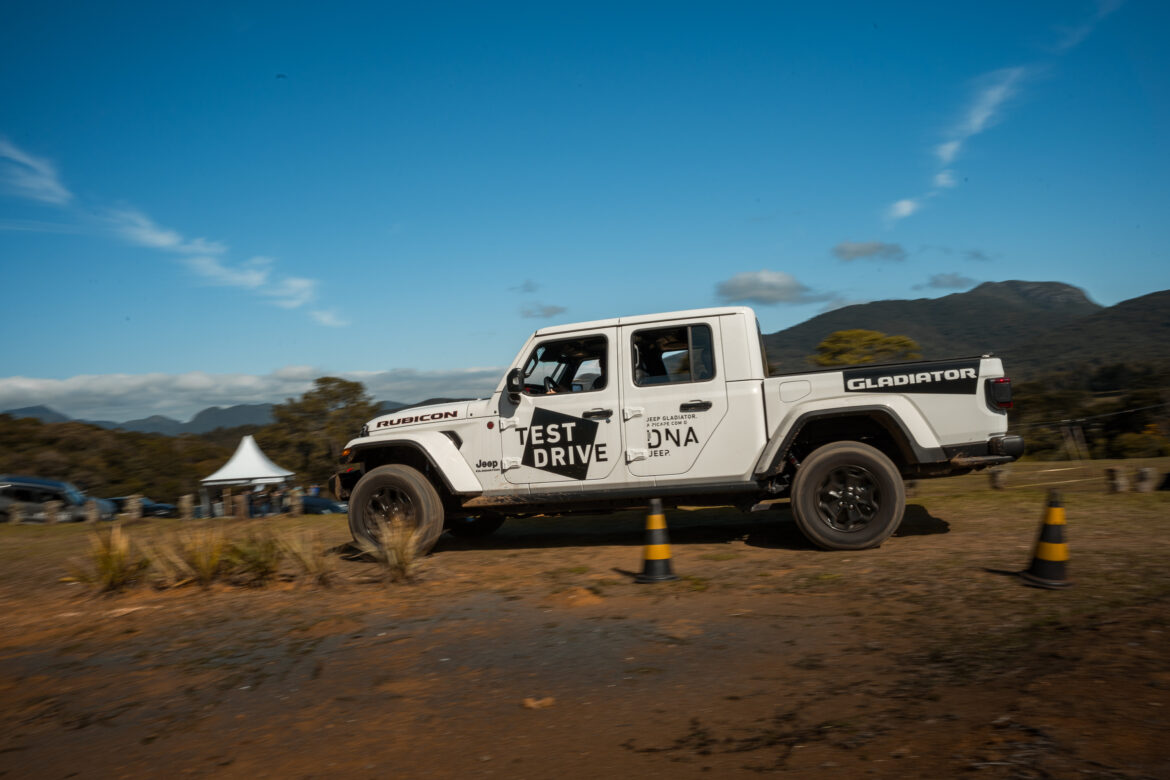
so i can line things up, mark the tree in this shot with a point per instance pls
(308, 435)
(850, 347)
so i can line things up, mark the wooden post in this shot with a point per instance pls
(16, 513)
(227, 508)
(92, 513)
(134, 507)
(295, 508)
(998, 478)
(1144, 480)
(241, 507)
(52, 510)
(1115, 481)
(186, 506)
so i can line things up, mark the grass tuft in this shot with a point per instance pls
(397, 550)
(308, 554)
(114, 562)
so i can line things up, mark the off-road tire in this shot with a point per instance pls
(396, 493)
(475, 527)
(848, 496)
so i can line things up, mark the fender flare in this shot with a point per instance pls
(917, 435)
(439, 451)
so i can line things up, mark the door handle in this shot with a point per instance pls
(598, 414)
(695, 406)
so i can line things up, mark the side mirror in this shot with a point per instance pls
(514, 385)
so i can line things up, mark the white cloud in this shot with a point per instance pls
(36, 178)
(121, 397)
(944, 179)
(137, 228)
(28, 176)
(902, 209)
(766, 287)
(873, 250)
(1070, 37)
(947, 151)
(251, 275)
(292, 292)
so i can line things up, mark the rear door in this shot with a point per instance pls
(673, 395)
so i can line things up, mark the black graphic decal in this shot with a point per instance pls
(561, 444)
(956, 377)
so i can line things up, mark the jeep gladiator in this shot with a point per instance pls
(684, 407)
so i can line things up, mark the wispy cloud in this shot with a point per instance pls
(38, 226)
(28, 176)
(527, 287)
(767, 287)
(539, 311)
(251, 275)
(900, 209)
(35, 178)
(1072, 36)
(947, 282)
(869, 250)
(990, 95)
(992, 91)
(137, 228)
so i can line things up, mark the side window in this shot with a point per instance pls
(682, 353)
(567, 366)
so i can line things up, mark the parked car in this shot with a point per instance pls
(150, 508)
(30, 493)
(319, 505)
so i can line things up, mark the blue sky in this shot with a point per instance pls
(207, 204)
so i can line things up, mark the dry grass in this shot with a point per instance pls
(114, 562)
(397, 551)
(310, 558)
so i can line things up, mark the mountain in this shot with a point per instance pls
(42, 413)
(204, 422)
(1133, 331)
(156, 423)
(993, 317)
(231, 417)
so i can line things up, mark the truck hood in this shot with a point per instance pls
(437, 415)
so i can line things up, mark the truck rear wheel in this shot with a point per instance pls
(848, 496)
(395, 497)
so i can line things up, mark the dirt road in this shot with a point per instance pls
(534, 655)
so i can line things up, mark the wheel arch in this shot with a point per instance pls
(431, 453)
(880, 426)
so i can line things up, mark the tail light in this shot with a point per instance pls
(999, 393)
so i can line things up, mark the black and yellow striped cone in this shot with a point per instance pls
(1050, 560)
(656, 557)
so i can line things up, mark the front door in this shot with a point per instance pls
(674, 397)
(565, 427)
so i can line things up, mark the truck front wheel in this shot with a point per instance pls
(848, 496)
(397, 499)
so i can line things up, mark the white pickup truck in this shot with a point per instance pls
(680, 406)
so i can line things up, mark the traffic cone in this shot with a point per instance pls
(656, 557)
(1050, 559)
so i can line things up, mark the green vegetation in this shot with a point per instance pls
(852, 347)
(308, 434)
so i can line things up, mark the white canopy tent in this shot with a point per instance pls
(248, 466)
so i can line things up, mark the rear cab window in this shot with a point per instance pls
(673, 355)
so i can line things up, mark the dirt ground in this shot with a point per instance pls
(533, 654)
